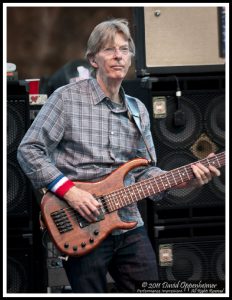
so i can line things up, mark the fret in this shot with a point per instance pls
(184, 174)
(119, 198)
(169, 184)
(209, 162)
(173, 177)
(155, 182)
(218, 162)
(160, 182)
(130, 195)
(164, 182)
(186, 171)
(153, 185)
(139, 190)
(108, 202)
(180, 175)
(125, 198)
(143, 189)
(150, 187)
(177, 175)
(116, 203)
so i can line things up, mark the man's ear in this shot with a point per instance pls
(93, 62)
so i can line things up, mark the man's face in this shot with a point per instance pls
(114, 60)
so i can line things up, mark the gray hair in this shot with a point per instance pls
(105, 32)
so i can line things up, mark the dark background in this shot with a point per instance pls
(40, 40)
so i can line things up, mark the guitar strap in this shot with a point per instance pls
(134, 112)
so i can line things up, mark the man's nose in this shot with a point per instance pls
(117, 52)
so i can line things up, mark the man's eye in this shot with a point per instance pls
(124, 50)
(109, 49)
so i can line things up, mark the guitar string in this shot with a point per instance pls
(121, 191)
(168, 176)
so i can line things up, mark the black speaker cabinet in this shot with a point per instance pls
(199, 130)
(18, 187)
(203, 131)
(191, 259)
(179, 39)
(23, 264)
(192, 127)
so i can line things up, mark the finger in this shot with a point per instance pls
(95, 203)
(94, 206)
(95, 212)
(198, 174)
(211, 155)
(89, 211)
(204, 172)
(83, 214)
(214, 170)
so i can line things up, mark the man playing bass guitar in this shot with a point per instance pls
(83, 133)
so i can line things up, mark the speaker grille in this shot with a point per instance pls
(17, 278)
(19, 192)
(204, 114)
(178, 196)
(15, 125)
(20, 263)
(208, 195)
(17, 203)
(194, 260)
(179, 136)
(202, 133)
(215, 119)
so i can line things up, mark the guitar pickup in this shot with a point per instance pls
(83, 222)
(61, 220)
(101, 216)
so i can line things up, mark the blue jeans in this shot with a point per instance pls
(128, 257)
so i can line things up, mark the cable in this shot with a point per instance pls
(179, 119)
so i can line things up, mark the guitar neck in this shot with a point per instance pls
(154, 185)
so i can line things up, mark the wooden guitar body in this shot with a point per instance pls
(79, 241)
(75, 236)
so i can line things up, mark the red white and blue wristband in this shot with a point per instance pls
(60, 185)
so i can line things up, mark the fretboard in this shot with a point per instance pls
(154, 185)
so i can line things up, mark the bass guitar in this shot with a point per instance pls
(75, 236)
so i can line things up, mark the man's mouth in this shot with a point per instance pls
(117, 67)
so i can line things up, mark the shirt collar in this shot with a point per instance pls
(99, 95)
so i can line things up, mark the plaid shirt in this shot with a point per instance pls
(83, 135)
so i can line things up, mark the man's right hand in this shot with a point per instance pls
(83, 202)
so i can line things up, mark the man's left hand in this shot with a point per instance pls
(203, 174)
